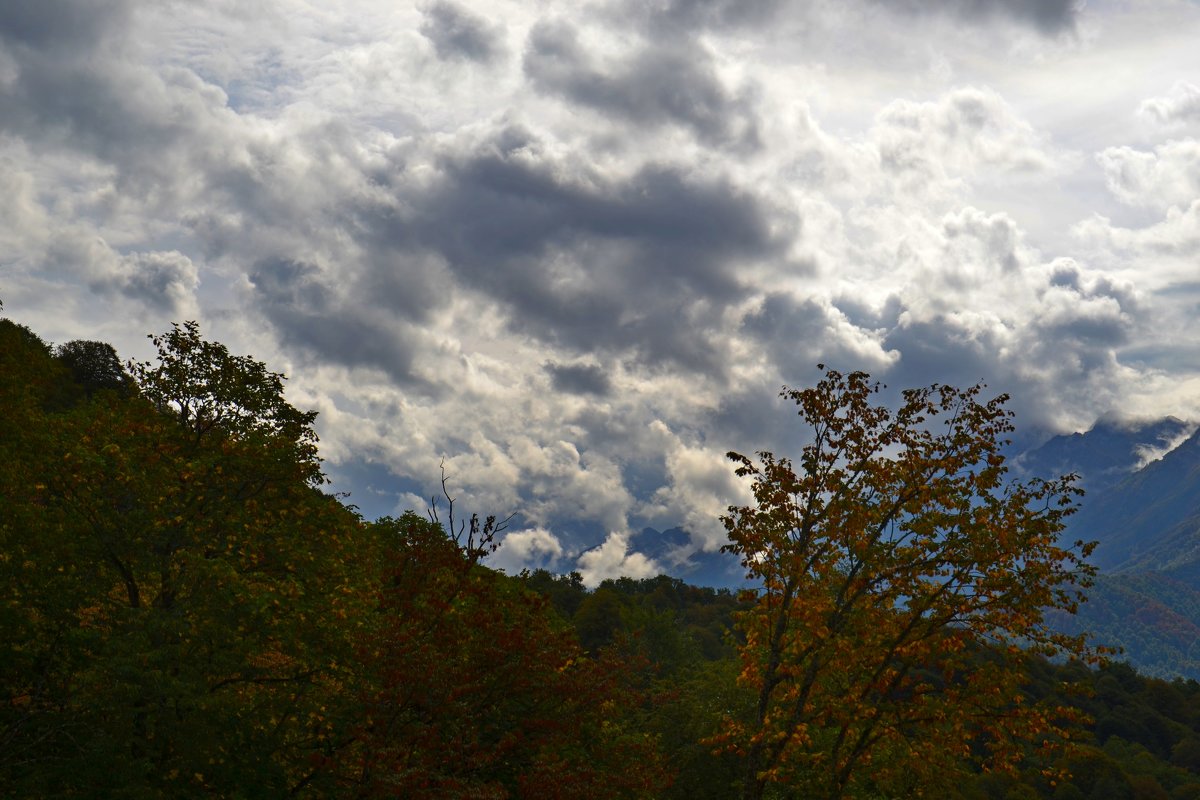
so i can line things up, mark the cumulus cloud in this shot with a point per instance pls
(163, 281)
(963, 132)
(1181, 106)
(701, 486)
(1168, 176)
(1175, 236)
(527, 549)
(612, 559)
(658, 84)
(640, 263)
(458, 33)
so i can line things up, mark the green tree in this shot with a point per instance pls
(904, 584)
(185, 594)
(94, 366)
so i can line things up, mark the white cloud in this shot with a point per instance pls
(527, 549)
(575, 250)
(965, 132)
(700, 486)
(1168, 176)
(1179, 107)
(612, 559)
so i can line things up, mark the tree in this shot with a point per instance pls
(903, 583)
(184, 596)
(476, 689)
(95, 366)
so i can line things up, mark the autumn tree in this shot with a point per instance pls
(476, 689)
(904, 581)
(183, 593)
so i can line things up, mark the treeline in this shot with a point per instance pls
(185, 611)
(1140, 739)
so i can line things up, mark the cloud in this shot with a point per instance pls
(672, 17)
(687, 17)
(582, 275)
(308, 313)
(457, 33)
(1175, 236)
(162, 281)
(61, 24)
(579, 379)
(700, 487)
(1179, 107)
(165, 280)
(613, 559)
(1050, 17)
(1168, 176)
(658, 84)
(798, 333)
(641, 263)
(527, 549)
(965, 131)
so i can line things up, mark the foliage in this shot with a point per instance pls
(94, 366)
(167, 573)
(184, 612)
(476, 691)
(904, 584)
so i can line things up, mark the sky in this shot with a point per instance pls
(571, 251)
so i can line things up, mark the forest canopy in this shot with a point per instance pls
(187, 611)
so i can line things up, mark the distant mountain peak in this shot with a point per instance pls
(1111, 450)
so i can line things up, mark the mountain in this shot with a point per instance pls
(672, 548)
(1150, 519)
(1152, 617)
(1144, 512)
(1105, 455)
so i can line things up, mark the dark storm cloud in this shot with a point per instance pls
(307, 314)
(661, 84)
(457, 33)
(579, 379)
(1048, 16)
(71, 87)
(53, 24)
(942, 351)
(794, 331)
(640, 264)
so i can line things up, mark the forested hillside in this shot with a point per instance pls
(186, 611)
(1143, 507)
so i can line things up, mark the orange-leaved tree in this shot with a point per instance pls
(904, 581)
(476, 690)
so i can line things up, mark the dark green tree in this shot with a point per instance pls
(94, 366)
(183, 593)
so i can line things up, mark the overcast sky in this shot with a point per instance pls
(576, 248)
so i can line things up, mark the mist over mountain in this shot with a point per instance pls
(1105, 455)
